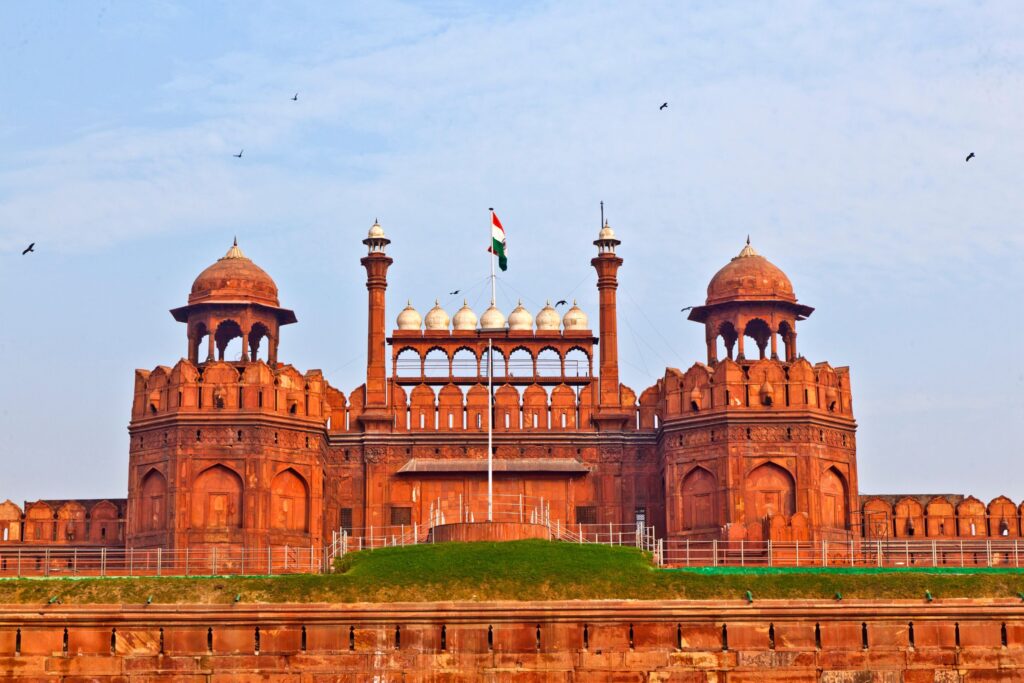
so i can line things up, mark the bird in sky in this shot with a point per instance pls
(684, 310)
(239, 155)
(969, 156)
(31, 247)
(295, 97)
(561, 302)
(664, 105)
(454, 293)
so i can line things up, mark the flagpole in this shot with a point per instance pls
(490, 388)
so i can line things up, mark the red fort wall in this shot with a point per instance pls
(957, 640)
(753, 443)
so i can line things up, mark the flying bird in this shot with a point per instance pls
(561, 302)
(31, 247)
(969, 156)
(684, 310)
(664, 105)
(239, 155)
(295, 98)
(454, 293)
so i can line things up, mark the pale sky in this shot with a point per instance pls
(833, 133)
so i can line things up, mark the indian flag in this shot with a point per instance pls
(498, 244)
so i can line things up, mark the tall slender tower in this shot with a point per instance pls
(376, 417)
(609, 415)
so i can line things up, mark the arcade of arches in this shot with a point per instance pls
(232, 446)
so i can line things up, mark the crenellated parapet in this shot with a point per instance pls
(220, 388)
(939, 516)
(531, 407)
(759, 387)
(79, 522)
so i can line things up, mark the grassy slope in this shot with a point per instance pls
(522, 570)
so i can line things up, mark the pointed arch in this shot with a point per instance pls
(834, 497)
(700, 499)
(217, 498)
(289, 501)
(770, 491)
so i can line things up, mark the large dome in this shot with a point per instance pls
(234, 278)
(750, 277)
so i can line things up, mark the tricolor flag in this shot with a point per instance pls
(498, 244)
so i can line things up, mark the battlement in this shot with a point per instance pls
(756, 386)
(530, 409)
(223, 387)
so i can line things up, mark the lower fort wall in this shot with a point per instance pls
(851, 641)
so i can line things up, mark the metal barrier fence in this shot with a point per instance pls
(91, 561)
(852, 553)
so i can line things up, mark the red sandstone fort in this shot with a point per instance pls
(754, 443)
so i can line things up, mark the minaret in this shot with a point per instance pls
(609, 414)
(376, 416)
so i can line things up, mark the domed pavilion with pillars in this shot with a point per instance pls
(233, 298)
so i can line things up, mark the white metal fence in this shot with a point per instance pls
(91, 561)
(852, 553)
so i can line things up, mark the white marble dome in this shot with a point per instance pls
(606, 233)
(437, 318)
(520, 318)
(548, 318)
(375, 230)
(492, 319)
(409, 318)
(465, 318)
(575, 319)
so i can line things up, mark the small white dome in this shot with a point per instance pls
(465, 318)
(520, 318)
(575, 319)
(606, 233)
(409, 318)
(437, 318)
(375, 230)
(548, 318)
(492, 319)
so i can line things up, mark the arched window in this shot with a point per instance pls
(577, 363)
(407, 364)
(465, 364)
(520, 363)
(549, 363)
(725, 340)
(499, 363)
(229, 341)
(760, 333)
(436, 364)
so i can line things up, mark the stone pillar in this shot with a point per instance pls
(245, 345)
(609, 414)
(376, 416)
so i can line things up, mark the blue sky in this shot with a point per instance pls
(833, 133)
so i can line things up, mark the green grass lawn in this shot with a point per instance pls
(520, 570)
